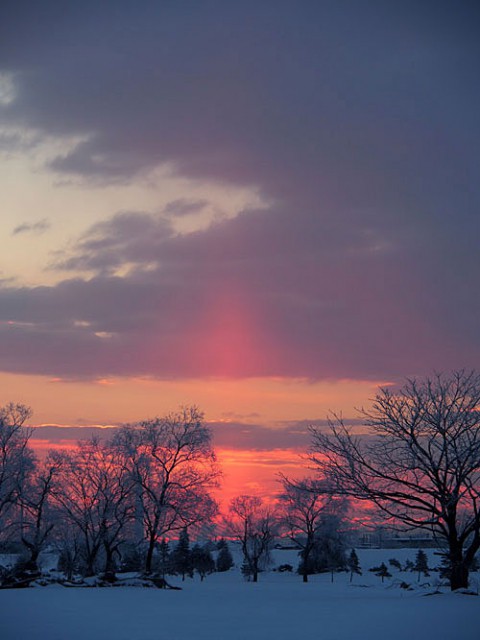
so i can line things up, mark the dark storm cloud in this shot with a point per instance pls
(359, 121)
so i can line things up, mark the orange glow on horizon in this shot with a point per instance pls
(245, 471)
(254, 472)
(266, 400)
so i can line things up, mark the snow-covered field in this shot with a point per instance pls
(224, 607)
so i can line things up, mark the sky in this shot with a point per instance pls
(266, 209)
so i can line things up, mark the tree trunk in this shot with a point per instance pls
(306, 557)
(458, 567)
(109, 574)
(254, 564)
(32, 563)
(91, 556)
(458, 576)
(69, 565)
(149, 558)
(92, 560)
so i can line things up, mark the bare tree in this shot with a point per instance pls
(254, 526)
(16, 460)
(304, 503)
(67, 540)
(173, 464)
(420, 463)
(97, 496)
(35, 502)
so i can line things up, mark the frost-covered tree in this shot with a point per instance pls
(303, 506)
(16, 462)
(96, 494)
(254, 526)
(329, 553)
(174, 467)
(420, 462)
(38, 513)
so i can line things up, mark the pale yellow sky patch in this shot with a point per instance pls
(31, 193)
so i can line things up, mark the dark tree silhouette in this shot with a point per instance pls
(164, 558)
(383, 572)
(202, 561)
(353, 564)
(420, 463)
(224, 559)
(395, 563)
(182, 555)
(421, 564)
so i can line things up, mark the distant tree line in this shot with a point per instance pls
(121, 503)
(150, 481)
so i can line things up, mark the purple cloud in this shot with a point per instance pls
(359, 124)
(184, 206)
(128, 237)
(242, 298)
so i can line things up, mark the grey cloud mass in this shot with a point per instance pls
(358, 121)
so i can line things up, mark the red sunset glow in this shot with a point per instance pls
(243, 471)
(230, 340)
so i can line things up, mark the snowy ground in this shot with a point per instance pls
(224, 607)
